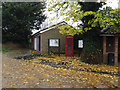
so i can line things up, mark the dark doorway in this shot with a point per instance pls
(39, 43)
(69, 47)
(110, 44)
(119, 50)
(111, 59)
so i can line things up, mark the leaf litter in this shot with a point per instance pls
(21, 74)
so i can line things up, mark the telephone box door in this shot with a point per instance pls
(69, 45)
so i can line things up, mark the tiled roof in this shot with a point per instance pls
(50, 27)
(107, 30)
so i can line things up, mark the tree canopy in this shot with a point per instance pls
(87, 12)
(19, 18)
(107, 16)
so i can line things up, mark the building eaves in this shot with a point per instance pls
(50, 27)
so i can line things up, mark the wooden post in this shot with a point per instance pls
(104, 50)
(116, 50)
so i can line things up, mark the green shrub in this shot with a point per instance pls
(92, 47)
(92, 58)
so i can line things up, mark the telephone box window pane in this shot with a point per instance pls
(69, 49)
(110, 44)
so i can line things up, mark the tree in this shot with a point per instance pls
(89, 14)
(19, 18)
(105, 17)
(76, 11)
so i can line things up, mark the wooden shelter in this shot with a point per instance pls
(111, 43)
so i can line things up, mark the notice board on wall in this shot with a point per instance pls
(54, 42)
(80, 43)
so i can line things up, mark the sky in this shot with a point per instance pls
(112, 3)
(48, 22)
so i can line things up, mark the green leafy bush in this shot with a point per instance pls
(92, 46)
(92, 58)
(5, 49)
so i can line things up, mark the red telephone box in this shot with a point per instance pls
(69, 45)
